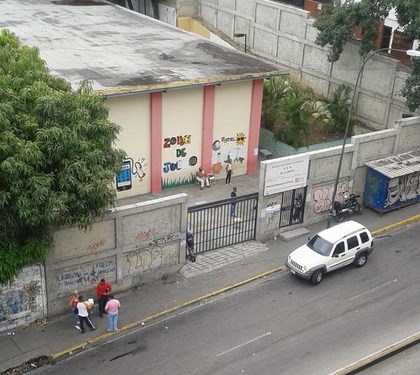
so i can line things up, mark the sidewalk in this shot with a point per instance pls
(213, 273)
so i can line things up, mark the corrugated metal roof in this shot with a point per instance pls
(398, 165)
(122, 51)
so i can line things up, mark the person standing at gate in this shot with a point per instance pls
(103, 290)
(233, 203)
(190, 246)
(297, 209)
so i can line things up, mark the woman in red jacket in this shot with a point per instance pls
(103, 290)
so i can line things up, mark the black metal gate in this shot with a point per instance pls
(223, 223)
(292, 207)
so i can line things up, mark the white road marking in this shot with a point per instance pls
(372, 290)
(244, 343)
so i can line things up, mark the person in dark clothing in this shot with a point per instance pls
(297, 207)
(103, 290)
(233, 204)
(190, 246)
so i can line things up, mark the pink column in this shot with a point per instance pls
(155, 142)
(207, 127)
(254, 124)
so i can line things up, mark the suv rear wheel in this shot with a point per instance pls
(361, 260)
(316, 277)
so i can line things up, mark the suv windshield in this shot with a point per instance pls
(319, 245)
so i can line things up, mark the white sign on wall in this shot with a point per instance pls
(287, 174)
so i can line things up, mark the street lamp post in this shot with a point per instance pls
(411, 53)
(241, 35)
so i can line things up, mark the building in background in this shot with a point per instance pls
(182, 100)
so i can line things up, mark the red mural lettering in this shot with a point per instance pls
(166, 143)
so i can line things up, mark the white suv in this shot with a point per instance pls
(330, 249)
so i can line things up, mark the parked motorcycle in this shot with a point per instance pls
(350, 205)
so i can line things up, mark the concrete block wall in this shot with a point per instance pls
(131, 245)
(22, 301)
(285, 34)
(322, 172)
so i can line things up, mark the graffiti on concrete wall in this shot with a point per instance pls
(149, 258)
(143, 235)
(272, 212)
(15, 302)
(85, 276)
(144, 260)
(322, 195)
(22, 300)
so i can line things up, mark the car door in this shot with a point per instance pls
(337, 257)
(353, 245)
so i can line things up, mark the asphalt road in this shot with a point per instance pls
(277, 325)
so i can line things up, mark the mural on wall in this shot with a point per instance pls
(85, 276)
(226, 148)
(180, 160)
(129, 169)
(322, 195)
(403, 189)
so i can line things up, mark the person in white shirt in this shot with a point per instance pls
(83, 313)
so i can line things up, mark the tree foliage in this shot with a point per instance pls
(57, 159)
(338, 22)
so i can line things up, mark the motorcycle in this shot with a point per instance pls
(350, 205)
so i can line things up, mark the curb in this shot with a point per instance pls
(366, 360)
(377, 356)
(398, 224)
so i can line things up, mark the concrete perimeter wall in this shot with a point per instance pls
(131, 245)
(322, 171)
(286, 35)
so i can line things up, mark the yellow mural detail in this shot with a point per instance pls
(240, 138)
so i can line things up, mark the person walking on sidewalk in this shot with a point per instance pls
(74, 299)
(112, 307)
(233, 203)
(103, 290)
(228, 171)
(83, 313)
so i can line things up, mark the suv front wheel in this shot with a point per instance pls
(361, 260)
(316, 277)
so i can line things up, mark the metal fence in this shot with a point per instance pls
(223, 223)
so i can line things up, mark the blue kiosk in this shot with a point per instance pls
(393, 182)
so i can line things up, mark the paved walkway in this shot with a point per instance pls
(214, 272)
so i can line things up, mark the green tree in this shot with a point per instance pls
(339, 109)
(57, 160)
(337, 23)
